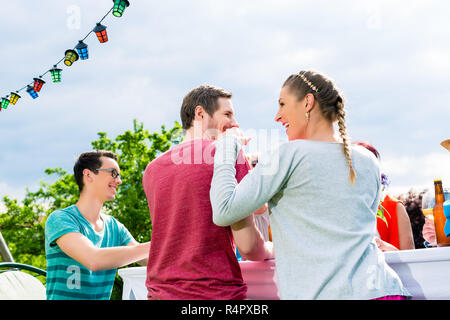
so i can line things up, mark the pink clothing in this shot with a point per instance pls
(429, 230)
(392, 298)
(190, 257)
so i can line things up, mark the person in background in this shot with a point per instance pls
(192, 258)
(393, 223)
(323, 198)
(83, 246)
(413, 204)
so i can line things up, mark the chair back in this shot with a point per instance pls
(18, 285)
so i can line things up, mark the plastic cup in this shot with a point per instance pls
(428, 213)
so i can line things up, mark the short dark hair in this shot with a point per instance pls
(89, 160)
(205, 96)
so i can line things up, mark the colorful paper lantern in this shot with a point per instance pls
(82, 49)
(119, 7)
(71, 57)
(56, 74)
(100, 31)
(32, 93)
(5, 103)
(38, 83)
(14, 98)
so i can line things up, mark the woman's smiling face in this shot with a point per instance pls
(291, 114)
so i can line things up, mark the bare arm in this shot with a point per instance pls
(384, 246)
(142, 262)
(249, 240)
(81, 249)
(262, 209)
(405, 235)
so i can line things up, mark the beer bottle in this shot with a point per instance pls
(439, 217)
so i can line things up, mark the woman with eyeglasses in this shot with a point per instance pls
(323, 198)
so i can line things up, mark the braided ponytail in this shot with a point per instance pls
(343, 131)
(330, 101)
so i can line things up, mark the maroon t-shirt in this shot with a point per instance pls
(190, 257)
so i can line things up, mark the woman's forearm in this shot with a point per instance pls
(228, 206)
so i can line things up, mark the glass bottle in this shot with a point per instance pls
(439, 217)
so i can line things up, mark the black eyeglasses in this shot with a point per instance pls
(114, 173)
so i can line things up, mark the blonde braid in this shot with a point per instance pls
(343, 132)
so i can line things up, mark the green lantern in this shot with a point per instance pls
(119, 7)
(5, 103)
(56, 74)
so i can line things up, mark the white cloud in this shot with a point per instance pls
(388, 57)
(16, 192)
(406, 172)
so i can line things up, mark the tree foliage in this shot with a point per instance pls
(22, 223)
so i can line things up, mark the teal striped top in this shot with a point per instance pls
(67, 279)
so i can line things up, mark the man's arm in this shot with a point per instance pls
(261, 210)
(142, 262)
(249, 241)
(81, 249)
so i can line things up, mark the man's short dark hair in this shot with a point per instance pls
(89, 160)
(205, 96)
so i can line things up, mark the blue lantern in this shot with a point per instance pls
(82, 49)
(32, 93)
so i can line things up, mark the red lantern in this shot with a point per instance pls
(38, 83)
(100, 31)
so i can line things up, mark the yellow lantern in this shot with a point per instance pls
(71, 57)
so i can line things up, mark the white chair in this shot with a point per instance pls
(19, 285)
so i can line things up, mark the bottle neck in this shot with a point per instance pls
(439, 193)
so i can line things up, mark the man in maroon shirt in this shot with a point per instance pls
(190, 257)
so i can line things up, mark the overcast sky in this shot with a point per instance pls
(391, 59)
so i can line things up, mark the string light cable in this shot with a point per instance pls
(78, 52)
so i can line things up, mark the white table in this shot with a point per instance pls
(424, 272)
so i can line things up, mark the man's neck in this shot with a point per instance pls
(192, 134)
(90, 207)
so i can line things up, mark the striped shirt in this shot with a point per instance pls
(67, 279)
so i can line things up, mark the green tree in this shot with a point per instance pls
(22, 224)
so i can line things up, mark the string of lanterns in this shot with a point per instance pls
(79, 52)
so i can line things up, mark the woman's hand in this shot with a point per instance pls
(236, 132)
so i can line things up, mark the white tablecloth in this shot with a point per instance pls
(424, 272)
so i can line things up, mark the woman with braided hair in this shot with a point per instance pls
(323, 198)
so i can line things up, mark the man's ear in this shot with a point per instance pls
(87, 174)
(199, 112)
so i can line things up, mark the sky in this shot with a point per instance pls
(389, 58)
